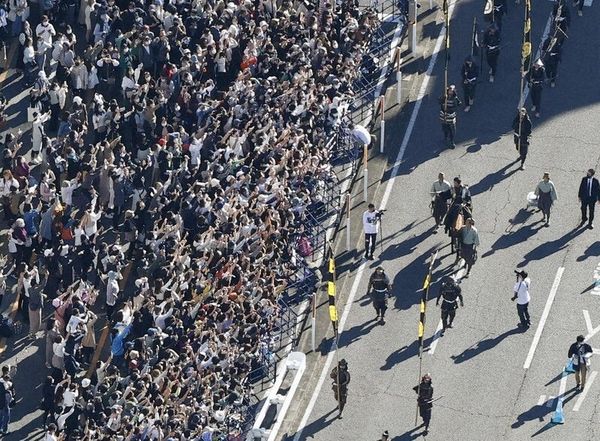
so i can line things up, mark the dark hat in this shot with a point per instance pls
(343, 362)
(521, 273)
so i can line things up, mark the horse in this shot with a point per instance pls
(453, 222)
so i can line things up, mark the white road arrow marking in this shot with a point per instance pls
(588, 324)
(587, 387)
(542, 400)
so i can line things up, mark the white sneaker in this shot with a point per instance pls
(467, 109)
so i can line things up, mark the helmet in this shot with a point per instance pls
(448, 281)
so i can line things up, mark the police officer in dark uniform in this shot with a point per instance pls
(425, 400)
(379, 289)
(536, 78)
(552, 56)
(469, 73)
(341, 379)
(449, 103)
(491, 41)
(450, 294)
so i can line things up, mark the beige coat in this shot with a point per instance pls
(89, 339)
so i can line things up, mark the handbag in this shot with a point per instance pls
(569, 368)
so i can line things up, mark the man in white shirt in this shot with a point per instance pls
(371, 219)
(522, 297)
(45, 30)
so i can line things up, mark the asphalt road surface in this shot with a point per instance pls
(489, 386)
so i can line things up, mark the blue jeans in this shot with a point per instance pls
(4, 419)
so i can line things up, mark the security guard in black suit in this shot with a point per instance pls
(450, 294)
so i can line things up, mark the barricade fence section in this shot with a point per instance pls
(322, 205)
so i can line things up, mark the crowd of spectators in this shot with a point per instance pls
(175, 145)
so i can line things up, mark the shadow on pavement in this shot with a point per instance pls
(508, 240)
(487, 183)
(410, 435)
(355, 333)
(316, 426)
(548, 248)
(592, 251)
(484, 345)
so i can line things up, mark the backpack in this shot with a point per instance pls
(304, 246)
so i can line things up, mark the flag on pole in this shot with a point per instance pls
(526, 48)
(447, 25)
(488, 10)
(331, 288)
(475, 38)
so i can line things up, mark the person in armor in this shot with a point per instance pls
(536, 78)
(552, 56)
(522, 131)
(461, 193)
(450, 295)
(341, 379)
(500, 9)
(441, 192)
(425, 400)
(469, 73)
(449, 103)
(491, 41)
(379, 290)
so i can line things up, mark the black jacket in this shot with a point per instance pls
(584, 193)
(576, 349)
(525, 127)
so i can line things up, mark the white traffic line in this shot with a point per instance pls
(436, 338)
(550, 402)
(596, 290)
(562, 388)
(588, 385)
(540, 327)
(542, 400)
(590, 327)
(386, 195)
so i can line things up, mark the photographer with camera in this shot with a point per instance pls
(522, 297)
(371, 220)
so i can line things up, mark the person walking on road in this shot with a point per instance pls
(371, 219)
(441, 191)
(522, 296)
(341, 379)
(522, 132)
(469, 243)
(425, 400)
(491, 41)
(450, 294)
(449, 103)
(385, 436)
(580, 352)
(469, 73)
(589, 195)
(379, 290)
(7, 393)
(536, 78)
(546, 193)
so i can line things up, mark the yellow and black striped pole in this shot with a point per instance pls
(422, 316)
(331, 290)
(333, 316)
